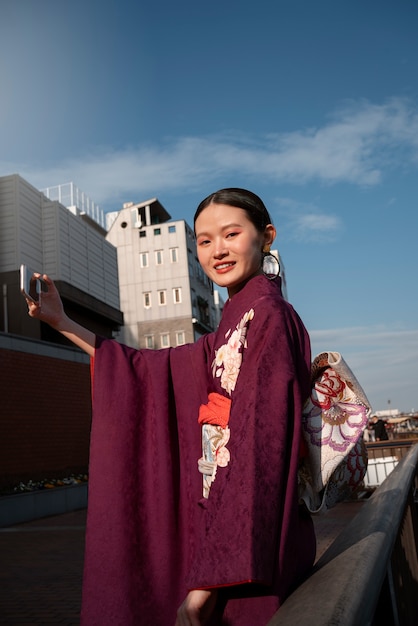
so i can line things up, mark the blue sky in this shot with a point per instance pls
(312, 105)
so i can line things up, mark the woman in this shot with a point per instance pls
(194, 516)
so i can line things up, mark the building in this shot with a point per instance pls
(45, 409)
(69, 246)
(166, 298)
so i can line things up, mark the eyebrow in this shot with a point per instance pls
(226, 227)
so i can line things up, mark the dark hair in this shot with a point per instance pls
(242, 199)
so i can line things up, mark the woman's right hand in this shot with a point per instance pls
(49, 309)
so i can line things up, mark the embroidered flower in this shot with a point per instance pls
(357, 464)
(330, 386)
(223, 456)
(228, 357)
(333, 415)
(215, 453)
(226, 366)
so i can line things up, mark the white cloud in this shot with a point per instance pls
(318, 222)
(306, 222)
(384, 360)
(355, 146)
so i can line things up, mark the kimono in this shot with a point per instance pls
(169, 509)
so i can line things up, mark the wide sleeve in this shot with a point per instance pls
(144, 419)
(248, 523)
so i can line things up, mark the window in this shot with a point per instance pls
(142, 233)
(157, 231)
(143, 259)
(203, 306)
(159, 257)
(199, 272)
(174, 255)
(177, 295)
(180, 338)
(147, 300)
(165, 340)
(149, 342)
(171, 229)
(162, 297)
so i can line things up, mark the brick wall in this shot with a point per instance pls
(45, 417)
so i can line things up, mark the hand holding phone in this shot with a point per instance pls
(30, 285)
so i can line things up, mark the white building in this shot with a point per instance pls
(165, 297)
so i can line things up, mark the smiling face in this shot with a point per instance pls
(229, 246)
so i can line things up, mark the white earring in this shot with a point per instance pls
(271, 265)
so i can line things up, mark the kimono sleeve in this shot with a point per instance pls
(144, 408)
(249, 522)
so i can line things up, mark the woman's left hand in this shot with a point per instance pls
(197, 607)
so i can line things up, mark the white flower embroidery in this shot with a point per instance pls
(215, 453)
(228, 357)
(226, 366)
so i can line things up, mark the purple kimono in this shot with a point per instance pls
(156, 526)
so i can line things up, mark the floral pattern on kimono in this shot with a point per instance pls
(334, 419)
(215, 435)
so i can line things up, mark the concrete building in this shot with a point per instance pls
(45, 411)
(69, 246)
(166, 298)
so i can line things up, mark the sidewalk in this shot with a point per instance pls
(329, 525)
(41, 565)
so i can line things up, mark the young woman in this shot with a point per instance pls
(194, 516)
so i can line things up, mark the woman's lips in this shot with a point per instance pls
(224, 267)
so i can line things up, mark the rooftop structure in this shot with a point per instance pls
(76, 201)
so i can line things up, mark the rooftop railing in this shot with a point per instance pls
(383, 457)
(70, 196)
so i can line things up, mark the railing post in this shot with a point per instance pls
(403, 567)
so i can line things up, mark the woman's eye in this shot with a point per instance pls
(229, 235)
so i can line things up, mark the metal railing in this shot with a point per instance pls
(369, 575)
(383, 456)
(70, 196)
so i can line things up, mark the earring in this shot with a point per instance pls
(270, 265)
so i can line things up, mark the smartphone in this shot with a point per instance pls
(30, 286)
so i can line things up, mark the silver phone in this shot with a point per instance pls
(30, 286)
